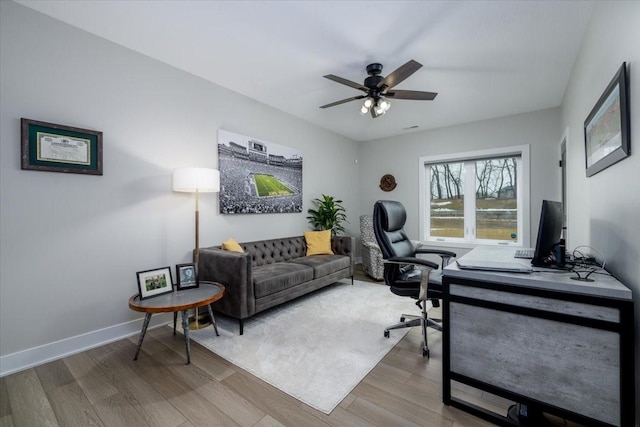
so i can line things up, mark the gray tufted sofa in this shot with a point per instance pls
(271, 272)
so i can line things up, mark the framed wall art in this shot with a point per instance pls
(187, 276)
(258, 176)
(606, 129)
(152, 283)
(57, 148)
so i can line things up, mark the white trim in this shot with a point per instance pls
(563, 192)
(474, 155)
(25, 359)
(469, 211)
(449, 244)
(422, 199)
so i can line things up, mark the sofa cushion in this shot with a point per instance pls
(323, 265)
(271, 278)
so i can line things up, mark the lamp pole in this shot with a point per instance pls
(196, 180)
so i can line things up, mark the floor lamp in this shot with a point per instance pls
(196, 180)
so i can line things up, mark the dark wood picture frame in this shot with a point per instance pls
(57, 148)
(187, 276)
(152, 283)
(606, 129)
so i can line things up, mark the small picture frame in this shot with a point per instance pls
(187, 276)
(606, 129)
(152, 283)
(57, 148)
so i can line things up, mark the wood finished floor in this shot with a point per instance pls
(105, 387)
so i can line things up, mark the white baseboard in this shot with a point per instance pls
(25, 359)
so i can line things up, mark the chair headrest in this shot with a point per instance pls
(393, 215)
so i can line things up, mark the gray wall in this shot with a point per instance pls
(72, 244)
(604, 210)
(399, 156)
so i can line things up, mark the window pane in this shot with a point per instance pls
(496, 199)
(447, 200)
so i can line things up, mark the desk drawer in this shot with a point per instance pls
(588, 311)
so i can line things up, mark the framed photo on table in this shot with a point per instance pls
(606, 129)
(152, 283)
(58, 148)
(187, 276)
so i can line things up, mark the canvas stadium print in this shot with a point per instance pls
(258, 176)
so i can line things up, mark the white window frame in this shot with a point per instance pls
(469, 241)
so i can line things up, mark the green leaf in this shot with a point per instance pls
(328, 215)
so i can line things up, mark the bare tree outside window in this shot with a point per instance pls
(496, 207)
(447, 200)
(496, 199)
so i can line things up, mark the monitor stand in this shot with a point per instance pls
(557, 258)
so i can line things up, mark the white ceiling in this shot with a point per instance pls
(484, 58)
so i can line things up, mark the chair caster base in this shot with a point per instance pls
(425, 352)
(386, 334)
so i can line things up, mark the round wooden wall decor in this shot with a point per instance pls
(388, 183)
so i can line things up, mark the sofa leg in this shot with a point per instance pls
(351, 280)
(241, 324)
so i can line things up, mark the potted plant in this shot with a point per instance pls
(328, 215)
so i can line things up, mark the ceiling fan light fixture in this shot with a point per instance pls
(377, 87)
(384, 104)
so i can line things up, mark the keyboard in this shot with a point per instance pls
(524, 253)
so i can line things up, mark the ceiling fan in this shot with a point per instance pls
(377, 88)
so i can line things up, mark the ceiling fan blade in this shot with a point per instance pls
(343, 101)
(400, 74)
(411, 94)
(346, 82)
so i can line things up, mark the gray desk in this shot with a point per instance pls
(551, 343)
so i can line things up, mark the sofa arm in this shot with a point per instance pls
(344, 245)
(233, 270)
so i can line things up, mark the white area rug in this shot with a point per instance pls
(316, 348)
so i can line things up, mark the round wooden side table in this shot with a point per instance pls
(174, 302)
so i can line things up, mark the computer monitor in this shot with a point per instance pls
(549, 235)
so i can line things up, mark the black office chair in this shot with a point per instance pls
(405, 273)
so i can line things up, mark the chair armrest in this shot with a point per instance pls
(445, 255)
(372, 245)
(412, 261)
(422, 264)
(437, 252)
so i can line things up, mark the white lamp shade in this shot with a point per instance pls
(189, 180)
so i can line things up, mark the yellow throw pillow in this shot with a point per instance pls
(318, 242)
(232, 245)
